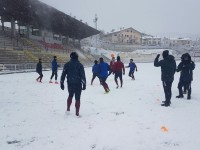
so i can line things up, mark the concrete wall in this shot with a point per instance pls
(45, 36)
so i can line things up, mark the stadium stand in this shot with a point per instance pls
(42, 32)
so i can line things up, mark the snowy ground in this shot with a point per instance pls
(32, 115)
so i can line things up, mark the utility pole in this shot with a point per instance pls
(95, 22)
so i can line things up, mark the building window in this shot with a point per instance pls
(127, 35)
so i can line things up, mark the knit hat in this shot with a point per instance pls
(74, 55)
(96, 62)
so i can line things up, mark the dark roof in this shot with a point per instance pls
(41, 15)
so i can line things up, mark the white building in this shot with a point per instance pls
(151, 40)
(175, 42)
(125, 36)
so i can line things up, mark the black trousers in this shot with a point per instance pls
(131, 73)
(54, 73)
(94, 76)
(118, 75)
(41, 75)
(104, 84)
(75, 89)
(167, 86)
(185, 84)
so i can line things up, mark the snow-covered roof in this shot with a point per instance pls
(180, 39)
(150, 37)
(124, 30)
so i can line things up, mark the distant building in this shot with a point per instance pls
(125, 36)
(151, 40)
(174, 42)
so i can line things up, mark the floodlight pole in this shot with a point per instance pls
(95, 21)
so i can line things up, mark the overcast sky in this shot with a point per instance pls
(155, 17)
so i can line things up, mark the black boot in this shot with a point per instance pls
(165, 102)
(179, 96)
(189, 93)
(180, 93)
(188, 97)
(166, 105)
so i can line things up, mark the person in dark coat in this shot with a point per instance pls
(184, 87)
(168, 68)
(118, 69)
(76, 81)
(186, 67)
(132, 67)
(104, 69)
(95, 71)
(54, 66)
(39, 70)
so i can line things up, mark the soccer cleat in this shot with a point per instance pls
(107, 91)
(117, 87)
(179, 96)
(188, 97)
(67, 113)
(56, 82)
(50, 82)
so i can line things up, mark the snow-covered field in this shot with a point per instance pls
(32, 115)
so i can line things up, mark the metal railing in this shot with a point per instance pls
(16, 67)
(29, 67)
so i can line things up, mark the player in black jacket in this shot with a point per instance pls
(76, 81)
(168, 69)
(39, 70)
(186, 67)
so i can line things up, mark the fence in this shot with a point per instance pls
(29, 67)
(14, 68)
(18, 68)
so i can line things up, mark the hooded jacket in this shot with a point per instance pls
(74, 72)
(186, 68)
(168, 68)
